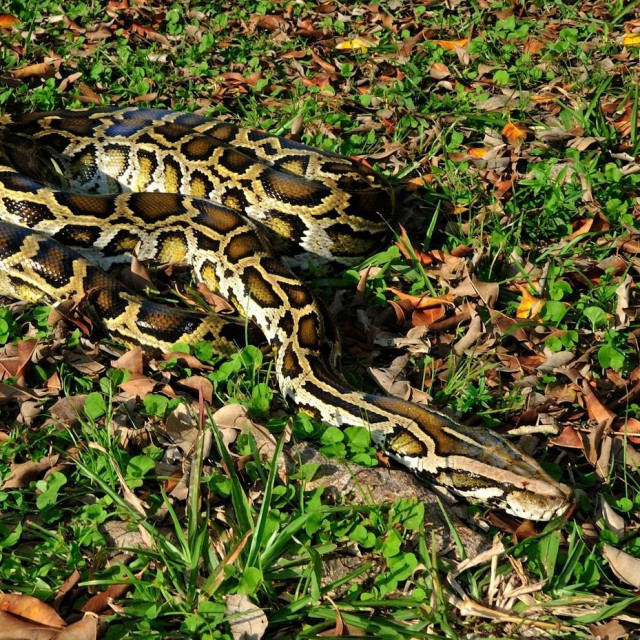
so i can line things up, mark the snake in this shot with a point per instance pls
(255, 216)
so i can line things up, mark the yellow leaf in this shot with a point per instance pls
(357, 44)
(450, 45)
(7, 20)
(477, 152)
(529, 306)
(631, 40)
(514, 133)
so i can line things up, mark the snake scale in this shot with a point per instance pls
(80, 190)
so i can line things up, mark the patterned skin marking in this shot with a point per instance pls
(265, 292)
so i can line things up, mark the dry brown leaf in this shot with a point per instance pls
(100, 603)
(533, 46)
(473, 334)
(182, 427)
(69, 584)
(246, 620)
(85, 629)
(597, 411)
(426, 317)
(625, 566)
(14, 628)
(68, 409)
(83, 363)
(21, 474)
(611, 630)
(439, 71)
(270, 22)
(150, 34)
(131, 361)
(568, 438)
(188, 360)
(630, 428)
(199, 384)
(14, 367)
(613, 520)
(138, 386)
(31, 609)
(38, 70)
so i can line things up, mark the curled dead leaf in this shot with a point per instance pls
(514, 134)
(529, 306)
(625, 566)
(7, 20)
(31, 609)
(451, 45)
(37, 70)
(23, 473)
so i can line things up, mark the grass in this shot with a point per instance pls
(544, 215)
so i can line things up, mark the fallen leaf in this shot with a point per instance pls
(439, 71)
(21, 474)
(68, 409)
(514, 134)
(355, 44)
(31, 609)
(85, 629)
(138, 385)
(625, 566)
(100, 602)
(610, 630)
(450, 45)
(246, 620)
(37, 70)
(597, 411)
(7, 20)
(631, 40)
(14, 628)
(200, 384)
(533, 46)
(473, 334)
(529, 306)
(131, 361)
(69, 584)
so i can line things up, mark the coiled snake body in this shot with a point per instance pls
(229, 202)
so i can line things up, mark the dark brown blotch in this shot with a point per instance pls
(95, 206)
(220, 219)
(309, 331)
(242, 245)
(298, 295)
(152, 207)
(19, 182)
(30, 213)
(78, 235)
(291, 189)
(260, 289)
(200, 147)
(291, 363)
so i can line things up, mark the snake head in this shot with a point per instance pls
(474, 462)
(482, 465)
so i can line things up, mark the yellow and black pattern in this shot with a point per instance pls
(186, 190)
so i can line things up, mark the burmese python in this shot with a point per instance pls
(79, 191)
